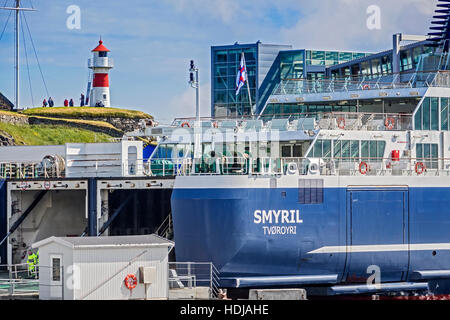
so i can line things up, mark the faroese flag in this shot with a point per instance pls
(242, 75)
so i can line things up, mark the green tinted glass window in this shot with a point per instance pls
(434, 113)
(444, 113)
(426, 114)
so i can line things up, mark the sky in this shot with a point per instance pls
(152, 42)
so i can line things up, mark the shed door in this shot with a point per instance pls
(378, 225)
(56, 276)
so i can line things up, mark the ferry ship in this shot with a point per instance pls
(350, 193)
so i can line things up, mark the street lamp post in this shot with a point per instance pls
(193, 81)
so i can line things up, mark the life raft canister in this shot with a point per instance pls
(363, 167)
(420, 168)
(130, 281)
(341, 122)
(389, 123)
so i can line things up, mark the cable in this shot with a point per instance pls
(35, 53)
(28, 65)
(4, 28)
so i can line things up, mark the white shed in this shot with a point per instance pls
(95, 268)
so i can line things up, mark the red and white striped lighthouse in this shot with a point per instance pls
(100, 64)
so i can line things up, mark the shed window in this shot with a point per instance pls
(56, 269)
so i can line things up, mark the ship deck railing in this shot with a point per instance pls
(29, 170)
(438, 78)
(368, 121)
(327, 166)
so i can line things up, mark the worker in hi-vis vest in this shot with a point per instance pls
(32, 262)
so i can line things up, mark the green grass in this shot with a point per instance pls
(51, 134)
(11, 113)
(87, 112)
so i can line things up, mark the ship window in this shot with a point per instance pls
(444, 113)
(286, 151)
(365, 69)
(297, 151)
(372, 150)
(321, 149)
(434, 110)
(355, 70)
(427, 116)
(428, 154)
(405, 60)
(376, 67)
(386, 65)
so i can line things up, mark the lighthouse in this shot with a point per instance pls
(100, 64)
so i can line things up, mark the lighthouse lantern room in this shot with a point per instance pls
(100, 64)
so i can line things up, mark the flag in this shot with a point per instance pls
(242, 75)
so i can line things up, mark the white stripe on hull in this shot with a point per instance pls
(260, 182)
(383, 248)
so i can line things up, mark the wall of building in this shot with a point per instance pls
(5, 104)
(98, 265)
(59, 213)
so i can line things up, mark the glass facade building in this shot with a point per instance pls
(267, 66)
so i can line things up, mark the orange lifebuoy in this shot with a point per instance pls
(389, 123)
(363, 167)
(185, 124)
(341, 122)
(420, 167)
(214, 124)
(366, 87)
(130, 281)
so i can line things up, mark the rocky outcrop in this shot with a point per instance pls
(5, 104)
(11, 118)
(123, 124)
(6, 139)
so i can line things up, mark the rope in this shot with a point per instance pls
(35, 53)
(9, 16)
(28, 65)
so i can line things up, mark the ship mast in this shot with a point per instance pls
(17, 8)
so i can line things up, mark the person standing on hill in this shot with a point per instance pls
(82, 100)
(71, 103)
(66, 103)
(44, 103)
(50, 102)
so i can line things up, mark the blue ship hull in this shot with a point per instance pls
(404, 232)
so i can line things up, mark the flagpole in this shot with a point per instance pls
(248, 85)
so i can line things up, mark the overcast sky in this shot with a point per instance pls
(152, 42)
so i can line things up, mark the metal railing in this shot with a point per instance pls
(18, 280)
(342, 166)
(392, 81)
(193, 275)
(165, 230)
(364, 121)
(29, 170)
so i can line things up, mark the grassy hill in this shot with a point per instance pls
(50, 126)
(50, 134)
(86, 112)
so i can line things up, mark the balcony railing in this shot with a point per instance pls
(393, 81)
(364, 121)
(344, 166)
